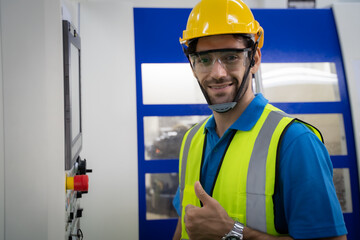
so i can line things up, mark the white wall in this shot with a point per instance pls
(192, 3)
(33, 119)
(250, 3)
(347, 23)
(109, 120)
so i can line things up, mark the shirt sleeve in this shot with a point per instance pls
(310, 205)
(176, 201)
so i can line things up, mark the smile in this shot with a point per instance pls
(217, 87)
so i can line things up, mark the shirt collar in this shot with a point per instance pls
(248, 118)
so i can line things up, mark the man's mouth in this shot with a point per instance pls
(219, 87)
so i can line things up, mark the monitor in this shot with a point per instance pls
(72, 94)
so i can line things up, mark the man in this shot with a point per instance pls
(250, 171)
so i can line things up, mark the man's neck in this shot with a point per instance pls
(225, 120)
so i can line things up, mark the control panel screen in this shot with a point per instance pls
(75, 93)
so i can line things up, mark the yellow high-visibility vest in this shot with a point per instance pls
(245, 182)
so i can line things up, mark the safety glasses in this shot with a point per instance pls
(230, 59)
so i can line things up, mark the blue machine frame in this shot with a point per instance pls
(291, 35)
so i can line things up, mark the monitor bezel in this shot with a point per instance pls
(73, 147)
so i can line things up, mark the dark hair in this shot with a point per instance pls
(247, 39)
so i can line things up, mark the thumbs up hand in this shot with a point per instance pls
(208, 222)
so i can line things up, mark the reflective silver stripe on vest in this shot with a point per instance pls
(184, 158)
(256, 178)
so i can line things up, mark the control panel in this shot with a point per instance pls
(77, 180)
(76, 185)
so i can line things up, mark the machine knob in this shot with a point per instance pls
(82, 167)
(79, 213)
(79, 194)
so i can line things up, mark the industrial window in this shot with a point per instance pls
(163, 135)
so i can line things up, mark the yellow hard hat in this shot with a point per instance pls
(215, 17)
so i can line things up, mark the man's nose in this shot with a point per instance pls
(218, 70)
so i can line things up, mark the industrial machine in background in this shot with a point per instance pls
(77, 180)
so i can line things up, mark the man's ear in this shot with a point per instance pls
(257, 59)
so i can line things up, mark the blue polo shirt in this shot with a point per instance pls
(305, 201)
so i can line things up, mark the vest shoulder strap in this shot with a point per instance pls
(184, 154)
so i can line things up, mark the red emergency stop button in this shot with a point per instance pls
(78, 183)
(81, 183)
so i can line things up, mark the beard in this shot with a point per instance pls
(221, 90)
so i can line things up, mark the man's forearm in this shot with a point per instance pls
(177, 234)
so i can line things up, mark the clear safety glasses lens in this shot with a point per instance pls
(230, 59)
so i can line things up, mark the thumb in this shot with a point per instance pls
(201, 194)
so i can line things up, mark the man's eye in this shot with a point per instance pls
(204, 60)
(231, 58)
